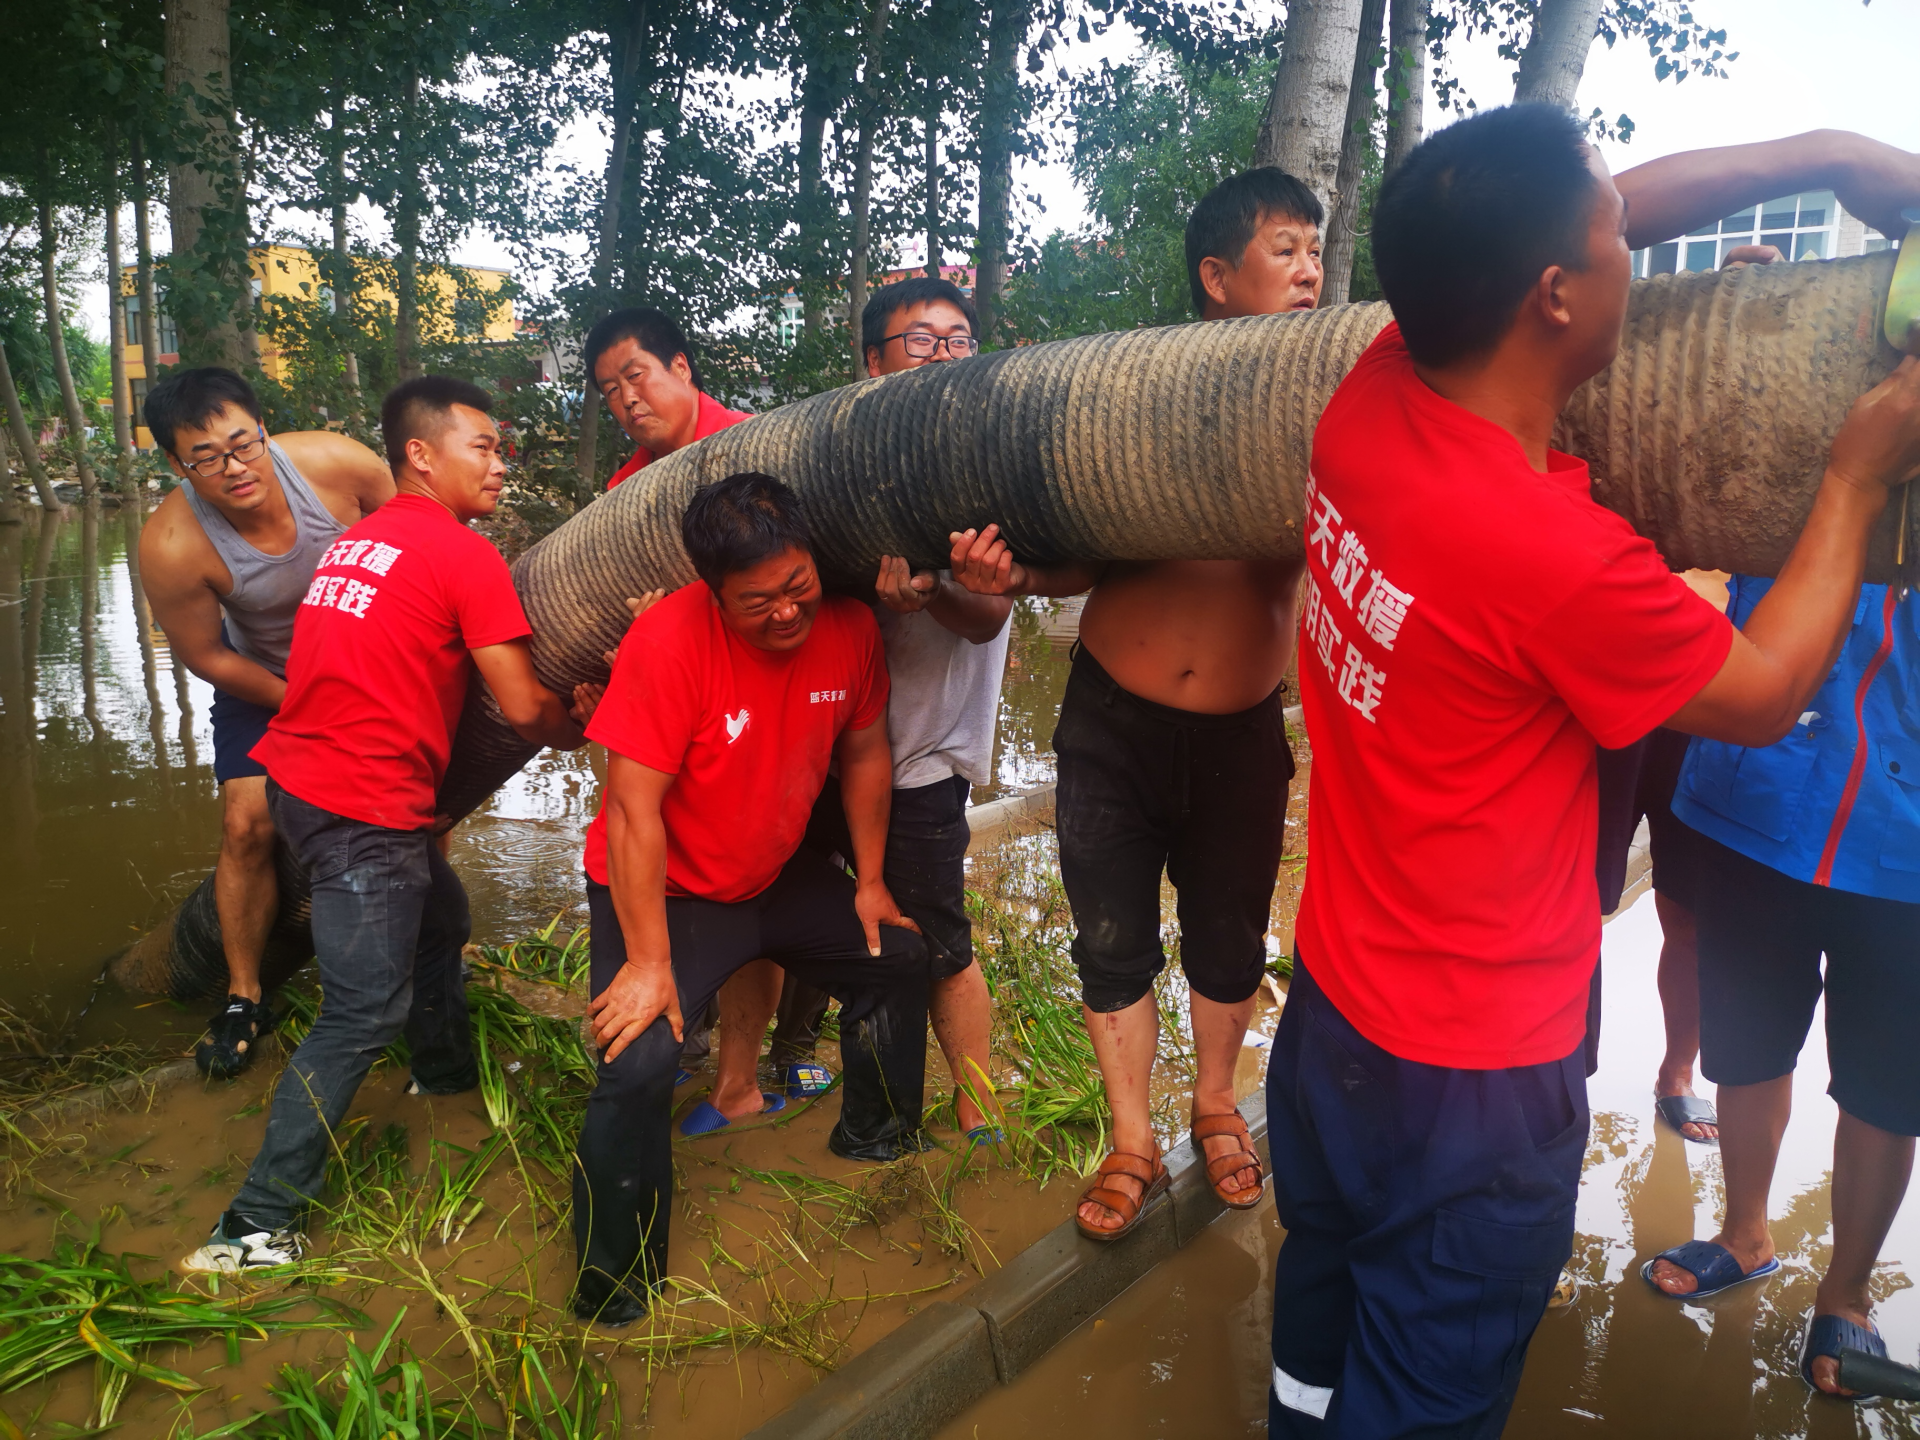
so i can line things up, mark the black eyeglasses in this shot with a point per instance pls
(246, 452)
(922, 346)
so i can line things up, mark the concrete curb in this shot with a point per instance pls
(909, 1384)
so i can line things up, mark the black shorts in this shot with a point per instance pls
(238, 726)
(1145, 788)
(926, 864)
(1640, 780)
(1761, 938)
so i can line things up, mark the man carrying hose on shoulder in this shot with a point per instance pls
(946, 652)
(1475, 623)
(401, 611)
(727, 702)
(1173, 755)
(225, 560)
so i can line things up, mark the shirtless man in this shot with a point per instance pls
(225, 560)
(1173, 753)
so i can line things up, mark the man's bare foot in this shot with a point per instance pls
(1857, 1308)
(736, 1104)
(1119, 1176)
(1751, 1255)
(1097, 1216)
(1681, 1083)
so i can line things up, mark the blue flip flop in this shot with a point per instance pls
(1828, 1335)
(704, 1119)
(804, 1079)
(1712, 1265)
(985, 1135)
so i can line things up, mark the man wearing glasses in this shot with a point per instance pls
(225, 560)
(946, 650)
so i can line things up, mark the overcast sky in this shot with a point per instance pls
(1804, 64)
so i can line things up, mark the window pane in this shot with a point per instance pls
(1713, 229)
(1741, 224)
(1665, 259)
(1778, 214)
(1810, 247)
(1875, 244)
(1783, 242)
(1816, 208)
(1730, 242)
(1700, 254)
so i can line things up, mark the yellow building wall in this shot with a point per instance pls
(292, 271)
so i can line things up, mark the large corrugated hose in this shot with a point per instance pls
(1709, 433)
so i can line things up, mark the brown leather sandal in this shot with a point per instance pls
(1219, 1167)
(1153, 1179)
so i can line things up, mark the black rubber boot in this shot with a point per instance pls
(233, 1037)
(884, 1064)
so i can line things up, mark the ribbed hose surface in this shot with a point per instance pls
(1708, 433)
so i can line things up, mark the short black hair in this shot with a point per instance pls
(190, 398)
(915, 290)
(658, 333)
(1466, 223)
(737, 522)
(1222, 224)
(417, 410)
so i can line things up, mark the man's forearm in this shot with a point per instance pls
(1680, 193)
(234, 674)
(637, 878)
(1801, 623)
(975, 618)
(866, 794)
(551, 726)
(1057, 582)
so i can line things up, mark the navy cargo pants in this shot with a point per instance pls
(1428, 1212)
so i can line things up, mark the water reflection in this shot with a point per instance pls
(112, 813)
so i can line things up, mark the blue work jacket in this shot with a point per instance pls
(1838, 801)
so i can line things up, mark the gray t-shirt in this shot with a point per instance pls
(945, 699)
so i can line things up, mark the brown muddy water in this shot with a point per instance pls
(1184, 1352)
(111, 814)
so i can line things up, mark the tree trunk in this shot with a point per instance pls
(628, 47)
(117, 324)
(208, 280)
(406, 230)
(1356, 146)
(24, 441)
(999, 115)
(1556, 53)
(9, 515)
(815, 107)
(1407, 78)
(342, 279)
(143, 259)
(57, 345)
(870, 117)
(1301, 129)
(933, 180)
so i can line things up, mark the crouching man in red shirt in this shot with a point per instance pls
(1472, 624)
(402, 609)
(727, 702)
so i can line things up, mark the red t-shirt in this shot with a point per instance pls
(1470, 627)
(713, 416)
(378, 672)
(748, 732)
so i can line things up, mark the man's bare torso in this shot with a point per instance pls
(1209, 636)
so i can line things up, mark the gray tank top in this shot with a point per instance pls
(267, 589)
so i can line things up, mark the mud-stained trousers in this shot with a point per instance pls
(805, 921)
(1428, 1212)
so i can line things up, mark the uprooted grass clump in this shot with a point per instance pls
(469, 1234)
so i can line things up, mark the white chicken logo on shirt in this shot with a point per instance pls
(737, 725)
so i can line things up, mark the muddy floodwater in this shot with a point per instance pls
(111, 814)
(1184, 1352)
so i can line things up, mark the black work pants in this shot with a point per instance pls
(926, 872)
(805, 921)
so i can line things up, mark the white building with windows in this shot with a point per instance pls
(1811, 226)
